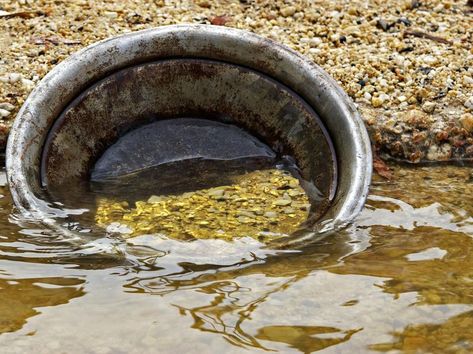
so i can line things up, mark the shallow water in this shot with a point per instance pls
(399, 280)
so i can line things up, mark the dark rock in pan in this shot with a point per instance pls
(168, 142)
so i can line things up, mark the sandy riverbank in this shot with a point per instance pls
(407, 64)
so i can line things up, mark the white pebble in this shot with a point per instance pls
(28, 84)
(429, 107)
(384, 97)
(155, 199)
(14, 77)
(4, 113)
(469, 103)
(7, 106)
(468, 80)
(110, 14)
(429, 59)
(315, 42)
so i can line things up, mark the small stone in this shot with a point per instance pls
(429, 107)
(469, 103)
(429, 59)
(245, 220)
(28, 84)
(315, 42)
(4, 113)
(353, 11)
(282, 202)
(377, 101)
(204, 3)
(245, 213)
(468, 80)
(416, 118)
(315, 51)
(110, 14)
(439, 153)
(271, 214)
(293, 193)
(288, 11)
(382, 24)
(7, 106)
(155, 199)
(14, 77)
(288, 210)
(466, 121)
(216, 193)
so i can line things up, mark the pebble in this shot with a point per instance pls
(466, 121)
(7, 106)
(11, 78)
(288, 11)
(439, 153)
(155, 199)
(429, 59)
(469, 103)
(429, 107)
(28, 84)
(4, 113)
(271, 214)
(110, 14)
(282, 202)
(377, 101)
(315, 42)
(468, 80)
(216, 193)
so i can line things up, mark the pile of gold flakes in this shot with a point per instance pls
(263, 204)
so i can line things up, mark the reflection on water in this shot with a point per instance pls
(21, 298)
(399, 280)
(306, 339)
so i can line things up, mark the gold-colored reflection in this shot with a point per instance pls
(304, 338)
(263, 204)
(19, 298)
(445, 277)
(453, 336)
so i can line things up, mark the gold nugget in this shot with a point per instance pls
(263, 204)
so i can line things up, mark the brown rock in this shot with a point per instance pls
(416, 118)
(466, 121)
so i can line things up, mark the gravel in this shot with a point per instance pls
(407, 64)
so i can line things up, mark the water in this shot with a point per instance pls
(399, 280)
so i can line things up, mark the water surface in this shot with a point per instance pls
(399, 280)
